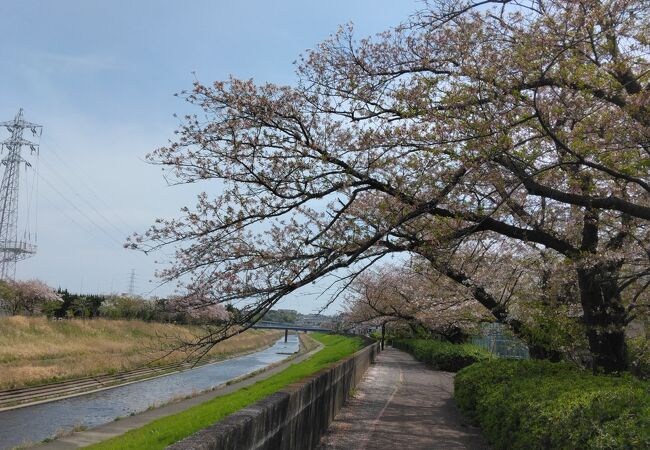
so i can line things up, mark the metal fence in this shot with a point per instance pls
(497, 340)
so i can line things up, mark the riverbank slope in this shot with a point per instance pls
(35, 350)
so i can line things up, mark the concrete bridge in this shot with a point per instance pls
(265, 325)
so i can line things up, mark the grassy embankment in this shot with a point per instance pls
(167, 430)
(34, 350)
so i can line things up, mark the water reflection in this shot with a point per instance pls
(38, 422)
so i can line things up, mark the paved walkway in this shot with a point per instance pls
(402, 405)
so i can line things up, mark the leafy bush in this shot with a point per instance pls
(51, 308)
(442, 355)
(78, 305)
(639, 355)
(121, 307)
(540, 405)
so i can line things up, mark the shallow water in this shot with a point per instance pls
(38, 422)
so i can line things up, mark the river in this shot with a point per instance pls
(38, 422)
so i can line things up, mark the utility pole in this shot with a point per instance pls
(11, 249)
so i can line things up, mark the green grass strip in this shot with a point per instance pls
(165, 431)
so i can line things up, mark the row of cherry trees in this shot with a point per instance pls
(412, 298)
(33, 297)
(504, 143)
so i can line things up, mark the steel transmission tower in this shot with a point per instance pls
(11, 249)
(132, 283)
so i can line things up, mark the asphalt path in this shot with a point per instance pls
(401, 404)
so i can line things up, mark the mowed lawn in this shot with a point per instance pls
(167, 430)
(35, 350)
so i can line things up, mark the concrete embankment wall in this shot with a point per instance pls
(291, 419)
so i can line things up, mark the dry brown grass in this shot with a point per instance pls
(35, 350)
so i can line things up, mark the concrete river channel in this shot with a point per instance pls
(38, 422)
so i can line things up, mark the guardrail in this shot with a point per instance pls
(290, 327)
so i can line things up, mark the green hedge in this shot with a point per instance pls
(544, 405)
(442, 355)
(639, 354)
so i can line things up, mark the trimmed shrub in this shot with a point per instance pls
(639, 356)
(542, 405)
(442, 355)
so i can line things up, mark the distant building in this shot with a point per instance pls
(312, 320)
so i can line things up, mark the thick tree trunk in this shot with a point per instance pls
(498, 311)
(539, 352)
(604, 316)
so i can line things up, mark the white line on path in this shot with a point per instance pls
(373, 425)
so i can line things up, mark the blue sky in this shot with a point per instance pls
(100, 77)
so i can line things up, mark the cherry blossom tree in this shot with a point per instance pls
(26, 297)
(525, 122)
(415, 296)
(197, 308)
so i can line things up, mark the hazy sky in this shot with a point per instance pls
(100, 77)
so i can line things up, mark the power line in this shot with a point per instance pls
(92, 210)
(68, 165)
(32, 205)
(84, 200)
(81, 212)
(67, 216)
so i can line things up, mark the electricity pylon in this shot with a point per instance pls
(11, 249)
(132, 283)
